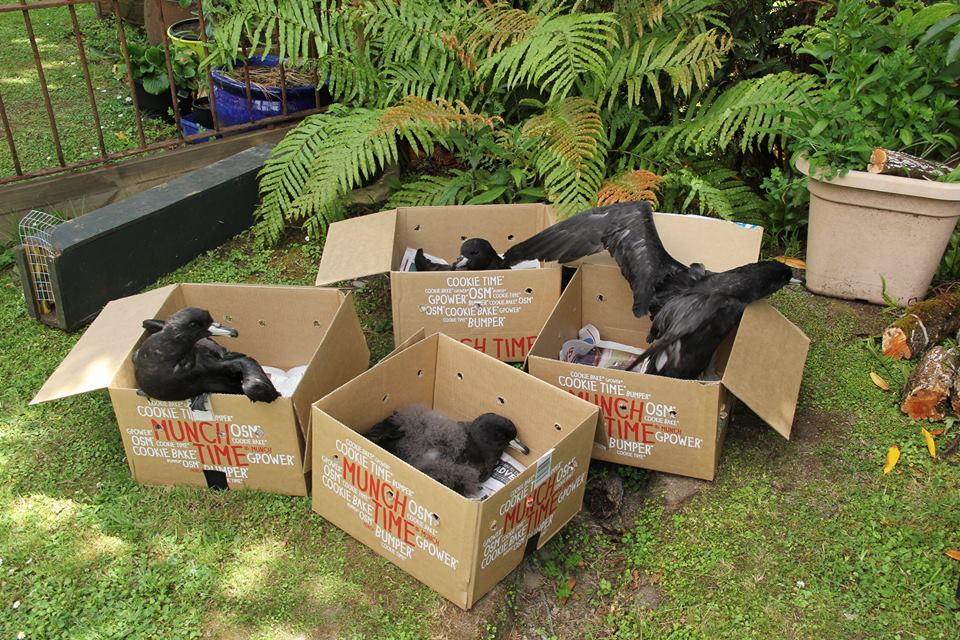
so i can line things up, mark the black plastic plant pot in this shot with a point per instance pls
(201, 113)
(155, 106)
(159, 106)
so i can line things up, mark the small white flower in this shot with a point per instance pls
(12, 571)
(29, 560)
(21, 635)
(128, 99)
(73, 75)
(801, 584)
(119, 97)
(16, 604)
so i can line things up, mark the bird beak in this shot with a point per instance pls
(795, 281)
(460, 263)
(217, 329)
(519, 446)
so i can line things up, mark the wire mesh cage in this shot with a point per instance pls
(35, 239)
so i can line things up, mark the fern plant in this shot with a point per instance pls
(576, 103)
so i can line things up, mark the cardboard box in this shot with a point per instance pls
(672, 425)
(239, 444)
(459, 547)
(499, 312)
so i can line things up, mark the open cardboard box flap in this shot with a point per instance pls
(406, 344)
(766, 365)
(104, 347)
(358, 247)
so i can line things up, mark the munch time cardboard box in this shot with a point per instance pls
(671, 425)
(498, 312)
(237, 444)
(459, 547)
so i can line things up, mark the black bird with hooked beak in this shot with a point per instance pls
(476, 254)
(693, 309)
(459, 455)
(179, 361)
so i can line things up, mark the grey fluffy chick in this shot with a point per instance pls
(460, 455)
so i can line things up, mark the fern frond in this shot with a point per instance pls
(632, 185)
(553, 55)
(687, 61)
(572, 154)
(430, 190)
(328, 154)
(710, 189)
(753, 111)
(500, 25)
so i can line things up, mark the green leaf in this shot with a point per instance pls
(156, 83)
(487, 196)
(953, 50)
(518, 176)
(922, 92)
(906, 136)
(819, 127)
(938, 28)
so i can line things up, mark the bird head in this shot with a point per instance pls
(774, 276)
(497, 431)
(195, 324)
(476, 253)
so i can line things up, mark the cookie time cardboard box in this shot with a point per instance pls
(499, 312)
(457, 546)
(666, 424)
(237, 444)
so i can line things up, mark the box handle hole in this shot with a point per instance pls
(528, 290)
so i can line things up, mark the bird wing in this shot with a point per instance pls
(423, 263)
(625, 229)
(690, 327)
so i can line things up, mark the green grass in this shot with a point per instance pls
(23, 98)
(798, 539)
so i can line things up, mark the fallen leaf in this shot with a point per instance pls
(655, 578)
(796, 263)
(880, 382)
(931, 445)
(893, 455)
(571, 583)
(937, 432)
(952, 553)
(121, 136)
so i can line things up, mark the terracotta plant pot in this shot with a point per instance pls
(865, 226)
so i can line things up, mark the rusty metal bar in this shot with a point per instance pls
(43, 83)
(246, 81)
(165, 144)
(169, 62)
(86, 77)
(283, 88)
(130, 83)
(9, 135)
(211, 98)
(43, 4)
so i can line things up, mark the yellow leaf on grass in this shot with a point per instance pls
(796, 263)
(893, 455)
(931, 445)
(880, 382)
(121, 136)
(952, 553)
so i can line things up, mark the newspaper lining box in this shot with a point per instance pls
(457, 546)
(238, 444)
(499, 312)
